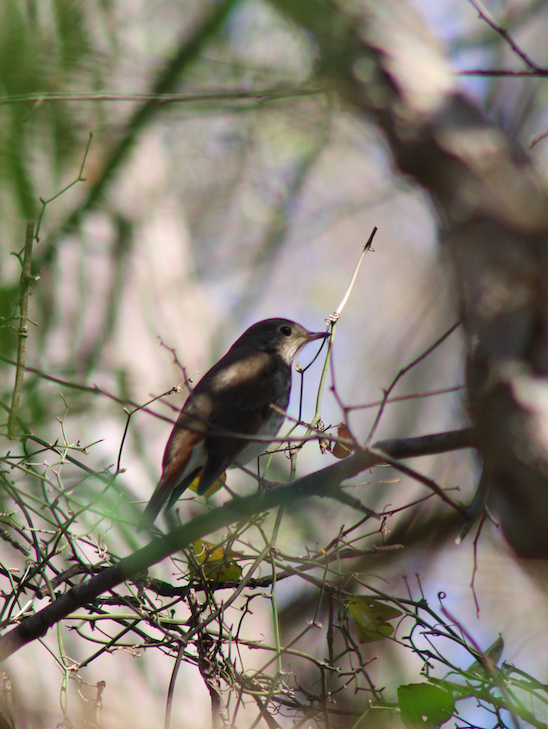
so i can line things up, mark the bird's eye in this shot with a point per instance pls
(286, 331)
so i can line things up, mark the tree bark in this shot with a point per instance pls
(492, 210)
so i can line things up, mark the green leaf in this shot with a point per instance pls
(424, 706)
(215, 562)
(375, 610)
(370, 632)
(370, 617)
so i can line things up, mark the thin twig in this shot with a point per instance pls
(22, 333)
(475, 570)
(321, 484)
(98, 702)
(496, 72)
(172, 682)
(94, 390)
(367, 247)
(485, 15)
(332, 322)
(487, 664)
(187, 382)
(404, 398)
(258, 95)
(132, 412)
(463, 511)
(45, 203)
(403, 372)
(537, 139)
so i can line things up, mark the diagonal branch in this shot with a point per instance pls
(324, 484)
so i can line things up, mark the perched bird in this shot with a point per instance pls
(228, 408)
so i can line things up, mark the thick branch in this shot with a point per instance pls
(324, 483)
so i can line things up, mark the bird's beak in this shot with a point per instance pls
(317, 335)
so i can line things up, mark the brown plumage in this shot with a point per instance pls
(232, 400)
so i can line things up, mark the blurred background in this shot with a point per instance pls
(249, 196)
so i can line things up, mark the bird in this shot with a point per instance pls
(230, 407)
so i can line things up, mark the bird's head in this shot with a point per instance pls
(278, 336)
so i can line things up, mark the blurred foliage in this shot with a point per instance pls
(43, 48)
(69, 509)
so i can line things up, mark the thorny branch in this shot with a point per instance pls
(22, 332)
(151, 614)
(324, 483)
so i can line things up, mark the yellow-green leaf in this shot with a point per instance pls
(375, 610)
(216, 563)
(369, 630)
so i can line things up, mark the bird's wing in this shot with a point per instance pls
(234, 397)
(241, 409)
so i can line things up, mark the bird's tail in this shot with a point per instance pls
(154, 506)
(166, 491)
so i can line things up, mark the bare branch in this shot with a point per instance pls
(323, 483)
